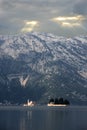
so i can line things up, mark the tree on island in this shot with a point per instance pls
(51, 100)
(56, 101)
(59, 101)
(66, 102)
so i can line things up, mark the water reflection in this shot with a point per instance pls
(25, 120)
(9, 120)
(43, 120)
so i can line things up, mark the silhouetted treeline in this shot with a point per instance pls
(59, 101)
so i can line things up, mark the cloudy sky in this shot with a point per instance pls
(60, 17)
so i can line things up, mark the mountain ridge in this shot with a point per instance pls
(51, 66)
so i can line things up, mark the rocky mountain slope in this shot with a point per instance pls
(39, 66)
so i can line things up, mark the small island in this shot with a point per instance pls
(58, 102)
(29, 103)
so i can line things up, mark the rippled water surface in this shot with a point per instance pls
(43, 118)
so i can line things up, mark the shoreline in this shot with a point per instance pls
(43, 107)
(49, 104)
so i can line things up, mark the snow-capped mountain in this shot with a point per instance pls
(40, 65)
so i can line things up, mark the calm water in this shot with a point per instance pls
(43, 118)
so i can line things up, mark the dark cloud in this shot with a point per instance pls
(6, 4)
(13, 13)
(80, 7)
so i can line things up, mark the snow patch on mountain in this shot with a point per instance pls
(46, 47)
(23, 81)
(49, 65)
